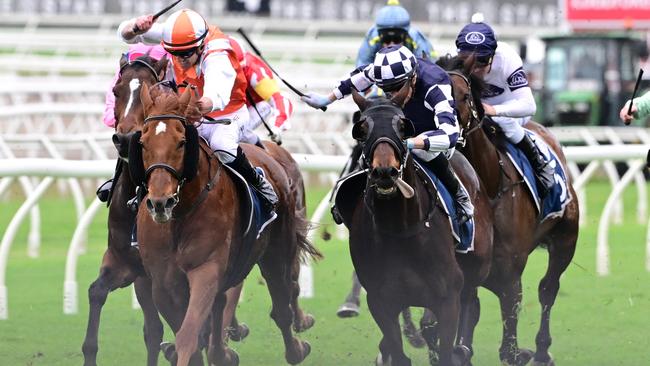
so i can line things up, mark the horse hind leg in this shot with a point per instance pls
(510, 302)
(301, 320)
(153, 327)
(411, 332)
(470, 313)
(112, 275)
(276, 269)
(560, 253)
(218, 351)
(350, 307)
(429, 329)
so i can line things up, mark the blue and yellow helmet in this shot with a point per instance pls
(393, 16)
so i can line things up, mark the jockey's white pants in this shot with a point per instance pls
(254, 121)
(430, 155)
(225, 138)
(512, 127)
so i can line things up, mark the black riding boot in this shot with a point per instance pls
(104, 191)
(442, 169)
(544, 172)
(258, 181)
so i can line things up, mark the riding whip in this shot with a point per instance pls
(158, 14)
(636, 88)
(250, 43)
(274, 137)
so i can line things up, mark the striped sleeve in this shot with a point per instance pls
(359, 80)
(440, 101)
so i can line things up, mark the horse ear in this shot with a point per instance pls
(361, 102)
(360, 130)
(145, 98)
(124, 60)
(401, 95)
(185, 98)
(161, 68)
(191, 158)
(407, 127)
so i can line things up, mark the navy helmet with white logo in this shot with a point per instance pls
(477, 37)
(393, 65)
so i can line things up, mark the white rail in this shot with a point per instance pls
(51, 168)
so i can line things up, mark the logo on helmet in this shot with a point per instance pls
(475, 38)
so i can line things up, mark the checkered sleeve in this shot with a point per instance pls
(440, 101)
(359, 79)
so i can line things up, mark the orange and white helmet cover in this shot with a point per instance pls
(184, 29)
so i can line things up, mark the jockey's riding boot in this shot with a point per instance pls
(104, 191)
(544, 172)
(442, 169)
(257, 180)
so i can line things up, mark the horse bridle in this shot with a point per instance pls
(166, 83)
(179, 177)
(472, 106)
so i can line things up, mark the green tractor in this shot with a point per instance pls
(587, 78)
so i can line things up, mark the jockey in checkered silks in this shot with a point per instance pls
(430, 106)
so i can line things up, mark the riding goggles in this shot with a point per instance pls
(183, 53)
(392, 36)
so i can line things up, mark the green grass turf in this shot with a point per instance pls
(596, 320)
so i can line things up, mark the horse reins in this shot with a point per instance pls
(472, 107)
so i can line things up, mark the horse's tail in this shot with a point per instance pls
(306, 250)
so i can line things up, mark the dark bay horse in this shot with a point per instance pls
(401, 243)
(199, 211)
(121, 264)
(517, 227)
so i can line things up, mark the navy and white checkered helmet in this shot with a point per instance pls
(393, 65)
(477, 37)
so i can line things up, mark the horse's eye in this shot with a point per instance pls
(181, 143)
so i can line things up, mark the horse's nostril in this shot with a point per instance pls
(375, 174)
(149, 204)
(394, 172)
(171, 202)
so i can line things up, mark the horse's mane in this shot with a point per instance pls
(463, 66)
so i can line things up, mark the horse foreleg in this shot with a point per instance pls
(112, 275)
(350, 307)
(218, 351)
(560, 253)
(204, 282)
(447, 312)
(390, 347)
(232, 329)
(153, 327)
(429, 329)
(277, 273)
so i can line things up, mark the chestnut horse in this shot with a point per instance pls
(401, 242)
(199, 211)
(517, 227)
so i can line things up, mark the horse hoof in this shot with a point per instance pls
(169, 351)
(548, 362)
(434, 358)
(380, 360)
(305, 350)
(305, 323)
(232, 358)
(462, 355)
(239, 333)
(348, 310)
(522, 358)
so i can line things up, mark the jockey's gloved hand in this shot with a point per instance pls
(316, 100)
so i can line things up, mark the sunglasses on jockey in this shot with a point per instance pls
(184, 53)
(484, 60)
(392, 36)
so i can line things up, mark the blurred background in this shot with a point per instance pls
(57, 60)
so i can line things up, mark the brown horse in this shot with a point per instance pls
(199, 210)
(517, 227)
(121, 264)
(401, 243)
